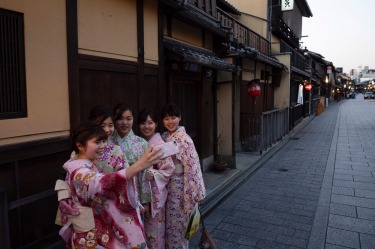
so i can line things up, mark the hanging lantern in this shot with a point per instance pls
(308, 86)
(253, 90)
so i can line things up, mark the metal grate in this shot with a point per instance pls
(12, 65)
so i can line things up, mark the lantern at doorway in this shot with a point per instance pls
(253, 89)
(308, 86)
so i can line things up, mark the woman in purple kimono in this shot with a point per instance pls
(186, 187)
(108, 217)
(158, 175)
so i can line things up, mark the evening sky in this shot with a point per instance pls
(342, 31)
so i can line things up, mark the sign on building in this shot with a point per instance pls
(287, 5)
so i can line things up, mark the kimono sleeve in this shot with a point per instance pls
(194, 189)
(86, 185)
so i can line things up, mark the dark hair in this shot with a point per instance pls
(119, 109)
(170, 110)
(142, 116)
(99, 114)
(84, 132)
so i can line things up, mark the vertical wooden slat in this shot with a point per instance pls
(2, 58)
(73, 69)
(4, 229)
(12, 82)
(214, 8)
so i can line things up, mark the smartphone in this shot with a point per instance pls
(168, 149)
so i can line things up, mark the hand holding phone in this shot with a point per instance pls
(168, 149)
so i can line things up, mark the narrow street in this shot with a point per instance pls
(318, 191)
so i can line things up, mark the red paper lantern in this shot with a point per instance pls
(253, 90)
(308, 86)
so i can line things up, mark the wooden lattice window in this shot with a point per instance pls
(12, 65)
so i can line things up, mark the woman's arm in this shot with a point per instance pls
(150, 157)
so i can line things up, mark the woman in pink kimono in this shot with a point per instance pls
(108, 199)
(158, 175)
(186, 187)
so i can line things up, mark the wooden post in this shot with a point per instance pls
(4, 228)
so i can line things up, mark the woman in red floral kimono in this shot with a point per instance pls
(108, 199)
(112, 160)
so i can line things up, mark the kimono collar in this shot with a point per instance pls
(74, 164)
(180, 129)
(118, 138)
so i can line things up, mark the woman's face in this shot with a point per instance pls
(171, 123)
(148, 128)
(108, 127)
(93, 149)
(125, 123)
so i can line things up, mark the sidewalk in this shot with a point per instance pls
(220, 184)
(315, 190)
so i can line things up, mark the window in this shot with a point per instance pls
(12, 65)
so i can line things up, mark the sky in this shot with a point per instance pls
(342, 31)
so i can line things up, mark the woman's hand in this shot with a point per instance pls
(151, 156)
(67, 206)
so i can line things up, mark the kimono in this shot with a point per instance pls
(185, 189)
(110, 199)
(112, 160)
(134, 147)
(155, 224)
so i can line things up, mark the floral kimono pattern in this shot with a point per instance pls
(185, 189)
(113, 203)
(112, 160)
(134, 147)
(155, 225)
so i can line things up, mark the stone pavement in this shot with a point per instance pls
(316, 191)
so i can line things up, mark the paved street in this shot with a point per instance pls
(317, 191)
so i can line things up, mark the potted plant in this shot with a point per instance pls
(220, 165)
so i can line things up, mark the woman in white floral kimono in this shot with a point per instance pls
(158, 175)
(134, 147)
(186, 187)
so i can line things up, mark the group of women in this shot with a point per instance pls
(119, 191)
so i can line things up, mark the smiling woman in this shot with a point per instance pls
(134, 147)
(186, 187)
(107, 202)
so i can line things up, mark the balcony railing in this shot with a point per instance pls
(295, 115)
(260, 130)
(206, 6)
(242, 34)
(281, 28)
(298, 60)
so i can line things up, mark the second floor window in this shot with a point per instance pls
(12, 65)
